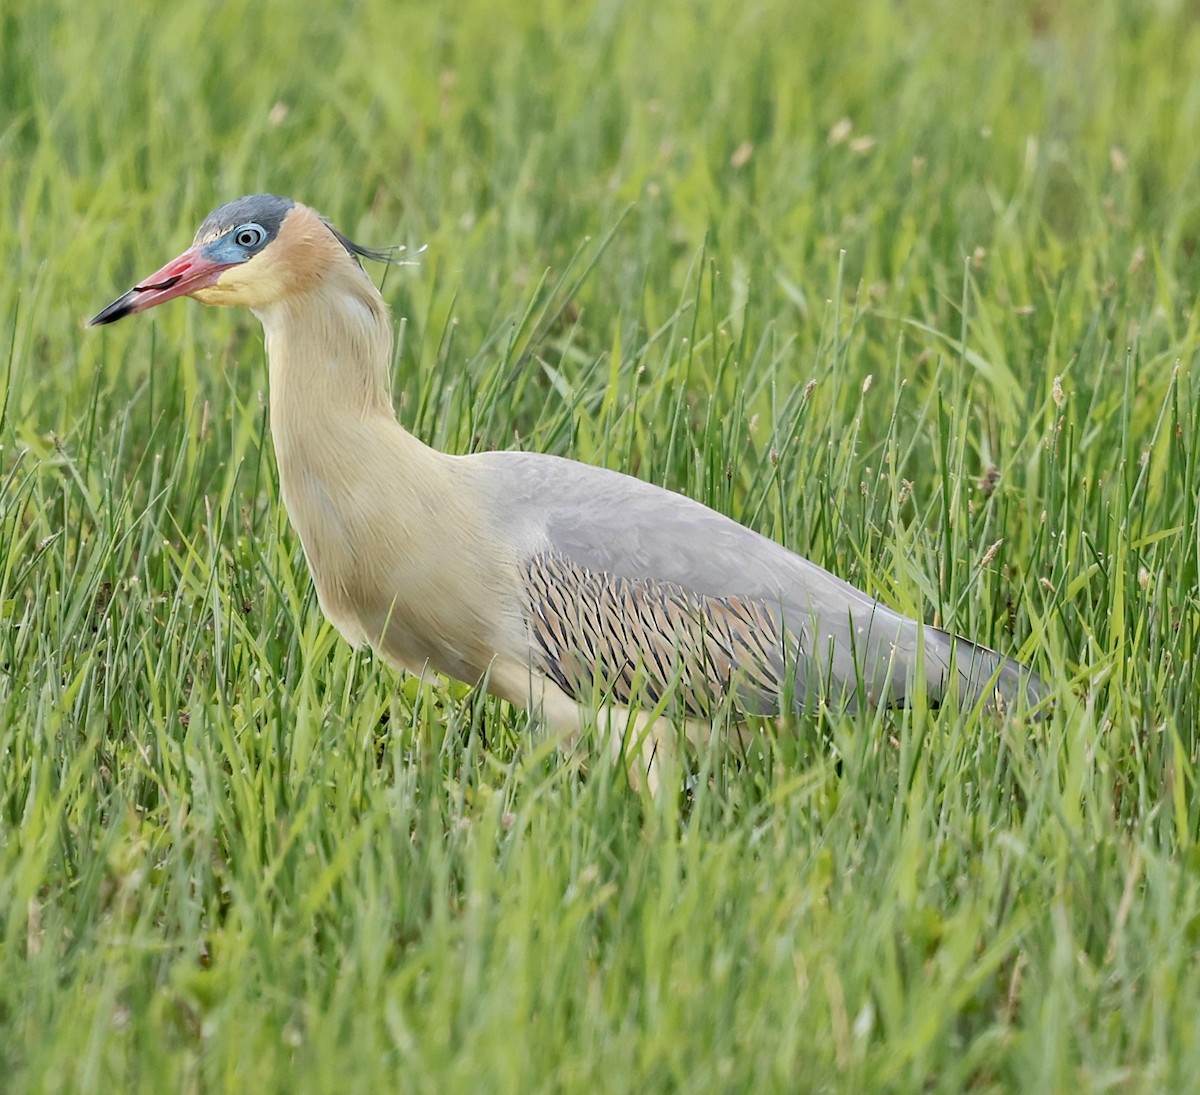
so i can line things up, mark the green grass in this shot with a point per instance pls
(909, 287)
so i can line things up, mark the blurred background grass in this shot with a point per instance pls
(907, 286)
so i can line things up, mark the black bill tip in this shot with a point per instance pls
(118, 309)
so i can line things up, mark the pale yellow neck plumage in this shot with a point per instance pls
(390, 526)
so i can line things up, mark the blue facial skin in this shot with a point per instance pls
(238, 245)
(265, 210)
(242, 228)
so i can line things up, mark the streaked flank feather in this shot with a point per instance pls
(645, 641)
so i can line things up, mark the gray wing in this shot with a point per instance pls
(629, 586)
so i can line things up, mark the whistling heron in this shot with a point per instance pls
(559, 585)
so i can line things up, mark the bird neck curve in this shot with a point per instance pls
(329, 350)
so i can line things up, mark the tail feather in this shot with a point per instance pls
(1000, 682)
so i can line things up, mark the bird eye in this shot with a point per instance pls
(249, 235)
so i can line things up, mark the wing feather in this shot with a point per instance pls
(639, 639)
(625, 582)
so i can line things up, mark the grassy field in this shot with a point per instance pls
(910, 287)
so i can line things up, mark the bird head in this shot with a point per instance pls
(251, 253)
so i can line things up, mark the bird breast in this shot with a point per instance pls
(391, 533)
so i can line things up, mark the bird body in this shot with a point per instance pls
(559, 585)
